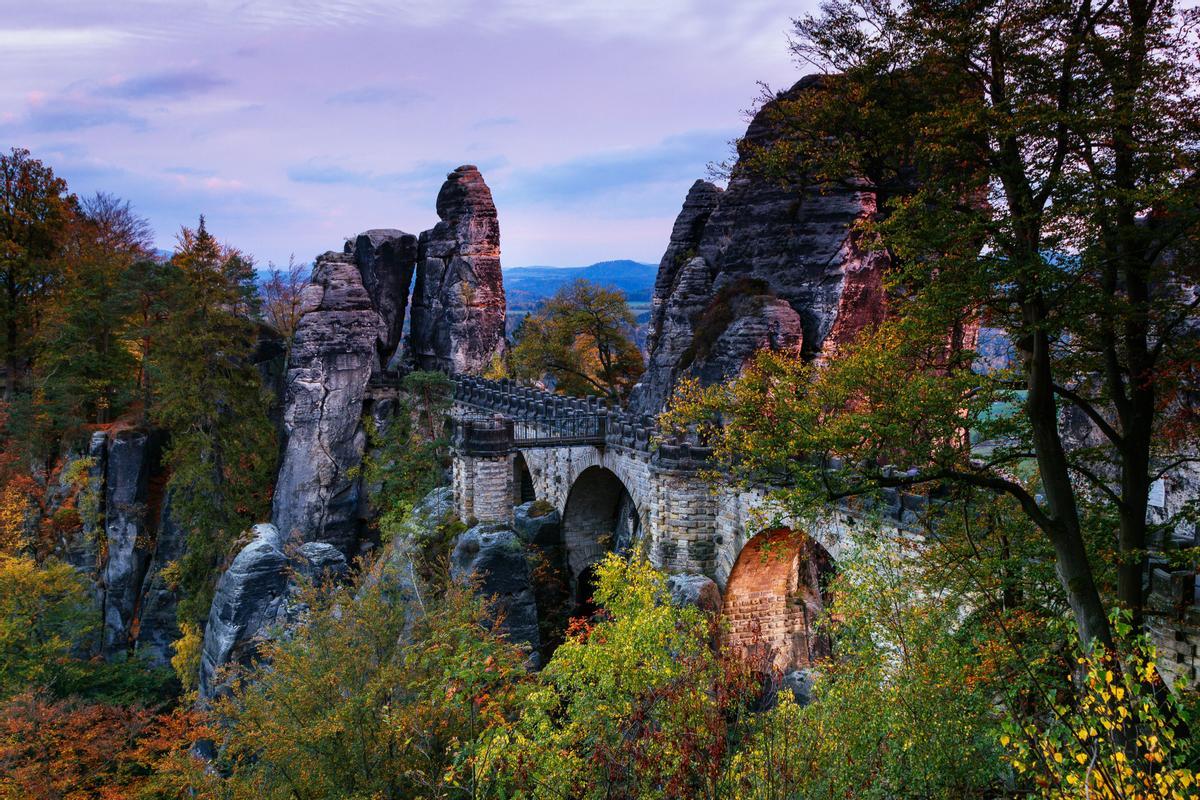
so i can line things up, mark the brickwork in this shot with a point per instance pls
(1174, 622)
(773, 600)
(682, 522)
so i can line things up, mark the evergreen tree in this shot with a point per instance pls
(34, 212)
(209, 396)
(85, 371)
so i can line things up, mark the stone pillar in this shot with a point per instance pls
(483, 470)
(683, 525)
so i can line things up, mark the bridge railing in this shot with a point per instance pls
(544, 418)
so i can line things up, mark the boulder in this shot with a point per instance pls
(492, 558)
(320, 563)
(800, 683)
(458, 303)
(695, 590)
(534, 524)
(132, 458)
(764, 240)
(248, 599)
(386, 259)
(332, 358)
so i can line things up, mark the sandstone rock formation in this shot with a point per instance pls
(247, 600)
(762, 263)
(333, 356)
(536, 525)
(131, 459)
(695, 590)
(493, 557)
(458, 301)
(386, 259)
(157, 626)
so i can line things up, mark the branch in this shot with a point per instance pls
(1086, 407)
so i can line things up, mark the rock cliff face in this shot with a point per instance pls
(248, 599)
(762, 263)
(333, 355)
(131, 459)
(458, 301)
(494, 557)
(386, 259)
(157, 625)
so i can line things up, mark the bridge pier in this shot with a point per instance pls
(483, 470)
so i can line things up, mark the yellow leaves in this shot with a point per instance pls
(186, 658)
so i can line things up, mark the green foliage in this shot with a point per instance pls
(34, 214)
(1115, 732)
(900, 710)
(582, 337)
(44, 613)
(209, 395)
(407, 458)
(376, 699)
(636, 705)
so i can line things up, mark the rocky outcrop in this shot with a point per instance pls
(158, 627)
(333, 356)
(132, 459)
(458, 301)
(767, 262)
(246, 601)
(536, 524)
(492, 558)
(695, 590)
(386, 259)
(682, 250)
(260, 596)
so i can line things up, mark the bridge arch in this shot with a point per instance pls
(776, 592)
(600, 515)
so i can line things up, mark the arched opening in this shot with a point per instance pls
(523, 491)
(600, 516)
(776, 593)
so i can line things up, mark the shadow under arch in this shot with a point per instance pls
(523, 490)
(777, 591)
(599, 516)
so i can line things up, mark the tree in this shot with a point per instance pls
(582, 338)
(1034, 166)
(636, 705)
(281, 296)
(44, 613)
(382, 698)
(209, 396)
(84, 371)
(34, 211)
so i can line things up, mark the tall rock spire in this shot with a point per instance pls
(458, 302)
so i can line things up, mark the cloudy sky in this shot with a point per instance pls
(292, 125)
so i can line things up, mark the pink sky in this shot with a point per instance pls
(294, 125)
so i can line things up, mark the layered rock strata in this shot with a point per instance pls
(764, 263)
(334, 352)
(458, 303)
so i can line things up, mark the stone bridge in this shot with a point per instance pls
(618, 487)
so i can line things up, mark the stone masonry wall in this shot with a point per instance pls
(483, 488)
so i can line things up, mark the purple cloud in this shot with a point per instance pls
(170, 85)
(295, 125)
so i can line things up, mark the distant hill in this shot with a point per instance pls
(526, 286)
